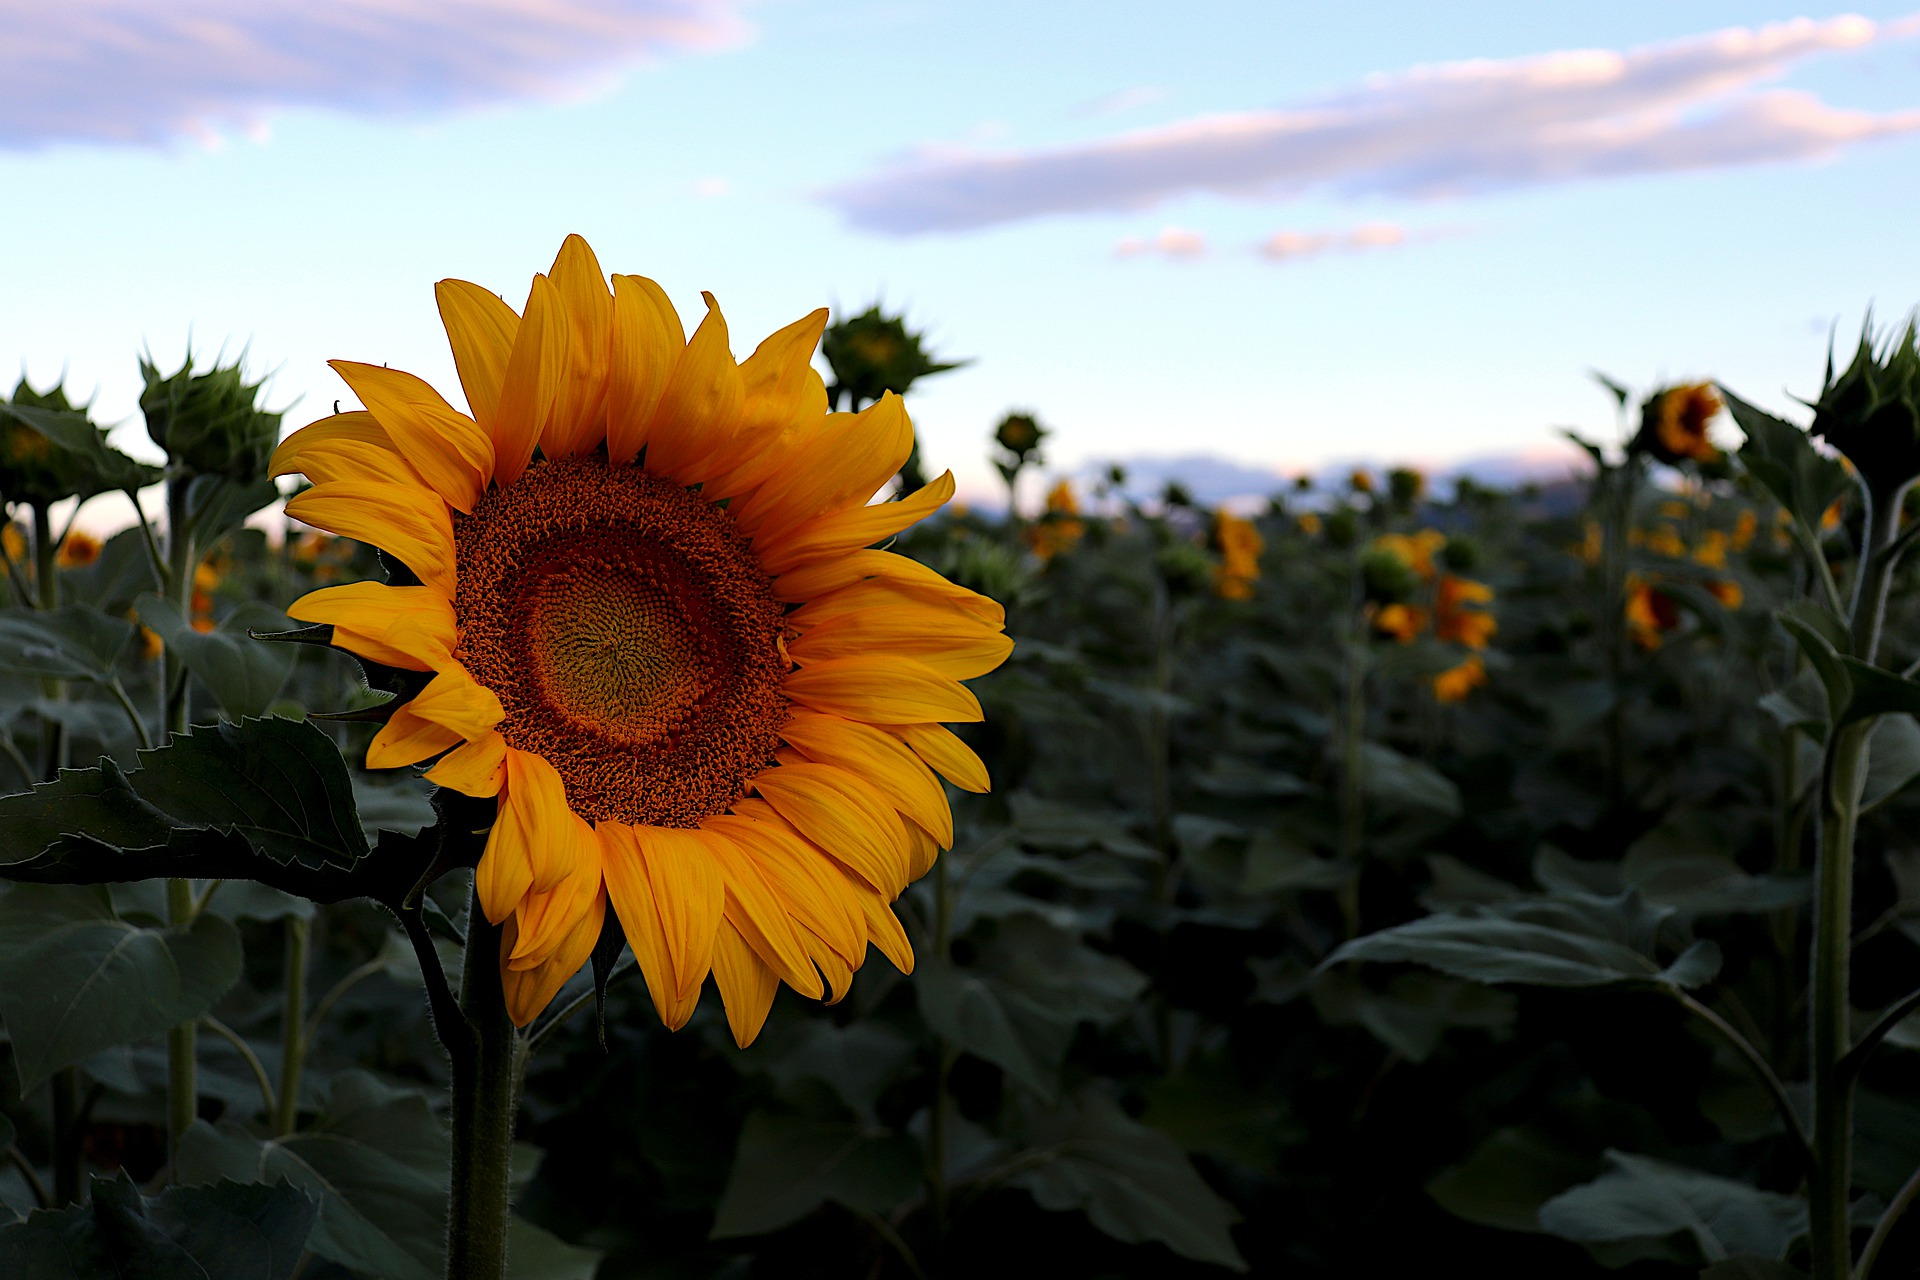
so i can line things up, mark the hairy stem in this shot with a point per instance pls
(183, 1099)
(293, 1023)
(1830, 1188)
(484, 1102)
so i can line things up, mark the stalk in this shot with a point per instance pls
(182, 1046)
(945, 1055)
(64, 1087)
(1353, 727)
(484, 1101)
(293, 1019)
(1829, 1190)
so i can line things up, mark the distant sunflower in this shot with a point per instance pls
(1673, 423)
(658, 635)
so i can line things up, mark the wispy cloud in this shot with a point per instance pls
(1171, 242)
(1444, 130)
(132, 71)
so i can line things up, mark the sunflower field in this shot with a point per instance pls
(1379, 878)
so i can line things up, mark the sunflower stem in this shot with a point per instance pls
(293, 1022)
(183, 1097)
(1830, 1188)
(484, 1102)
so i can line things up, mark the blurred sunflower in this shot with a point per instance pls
(1456, 682)
(657, 635)
(1238, 543)
(77, 550)
(1651, 613)
(1402, 622)
(1454, 616)
(1416, 550)
(1060, 528)
(1673, 423)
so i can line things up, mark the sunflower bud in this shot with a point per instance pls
(49, 451)
(1019, 434)
(1185, 568)
(1387, 576)
(1405, 487)
(209, 423)
(1871, 413)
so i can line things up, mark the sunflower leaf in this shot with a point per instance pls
(1782, 458)
(184, 1233)
(788, 1166)
(73, 642)
(76, 979)
(243, 674)
(375, 1159)
(1641, 1198)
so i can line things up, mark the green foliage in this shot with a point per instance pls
(208, 423)
(185, 1233)
(1871, 412)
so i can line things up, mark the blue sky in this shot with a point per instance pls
(1281, 233)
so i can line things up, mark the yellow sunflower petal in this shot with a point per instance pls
(880, 688)
(870, 570)
(455, 700)
(924, 849)
(844, 816)
(529, 991)
(647, 341)
(446, 447)
(848, 457)
(688, 895)
(779, 383)
(700, 409)
(410, 523)
(475, 769)
(835, 971)
(579, 421)
(635, 903)
(546, 919)
(951, 758)
(815, 894)
(480, 328)
(747, 985)
(842, 531)
(884, 761)
(410, 627)
(408, 738)
(753, 907)
(945, 639)
(883, 928)
(532, 384)
(346, 446)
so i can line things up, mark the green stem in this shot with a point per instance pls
(484, 1101)
(1353, 729)
(1830, 1188)
(248, 1056)
(182, 1074)
(66, 1135)
(1902, 1201)
(945, 1055)
(293, 1023)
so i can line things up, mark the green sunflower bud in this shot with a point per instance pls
(1461, 554)
(1871, 413)
(872, 354)
(1020, 434)
(1185, 568)
(1405, 487)
(209, 423)
(1343, 527)
(49, 450)
(1388, 578)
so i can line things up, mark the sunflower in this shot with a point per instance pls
(1673, 424)
(1456, 682)
(1454, 616)
(1651, 613)
(657, 633)
(1239, 545)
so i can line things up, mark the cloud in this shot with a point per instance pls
(132, 71)
(1282, 245)
(1172, 242)
(1446, 130)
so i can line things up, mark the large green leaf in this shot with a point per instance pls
(267, 800)
(375, 1159)
(856, 1061)
(1781, 457)
(1893, 758)
(225, 1230)
(1508, 1177)
(245, 674)
(1020, 1003)
(1133, 1182)
(788, 1166)
(73, 642)
(1640, 1198)
(533, 1254)
(1488, 947)
(75, 979)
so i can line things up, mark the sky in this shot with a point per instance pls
(1280, 235)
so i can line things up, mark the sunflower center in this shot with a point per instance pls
(632, 639)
